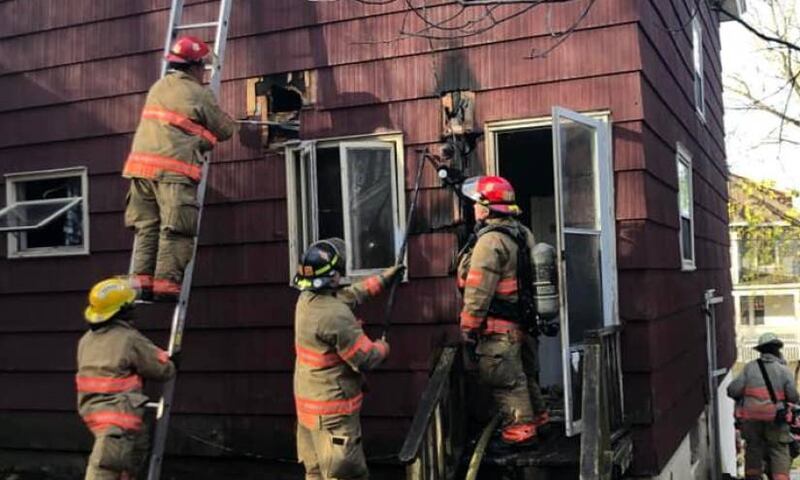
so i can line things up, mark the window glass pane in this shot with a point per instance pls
(48, 189)
(579, 181)
(329, 193)
(744, 310)
(369, 183)
(684, 189)
(301, 193)
(697, 45)
(64, 231)
(686, 239)
(584, 292)
(779, 306)
(758, 310)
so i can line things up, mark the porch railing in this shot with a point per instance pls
(435, 442)
(603, 443)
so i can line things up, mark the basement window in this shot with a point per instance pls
(685, 208)
(46, 213)
(352, 189)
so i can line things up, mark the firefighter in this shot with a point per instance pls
(181, 121)
(507, 354)
(113, 360)
(763, 422)
(332, 354)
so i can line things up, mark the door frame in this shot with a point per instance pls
(606, 210)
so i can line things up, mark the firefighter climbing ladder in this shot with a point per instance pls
(164, 405)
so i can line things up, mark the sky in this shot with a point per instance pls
(748, 133)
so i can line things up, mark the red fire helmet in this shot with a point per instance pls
(493, 192)
(189, 49)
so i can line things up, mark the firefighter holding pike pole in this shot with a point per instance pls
(332, 352)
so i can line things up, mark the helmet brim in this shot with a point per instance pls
(777, 342)
(207, 60)
(95, 317)
(470, 189)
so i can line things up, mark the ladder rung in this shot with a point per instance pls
(192, 26)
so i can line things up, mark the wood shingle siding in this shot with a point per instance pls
(73, 76)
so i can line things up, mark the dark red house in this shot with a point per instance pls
(634, 194)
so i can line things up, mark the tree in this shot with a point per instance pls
(772, 86)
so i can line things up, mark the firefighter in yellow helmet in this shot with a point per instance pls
(181, 120)
(761, 391)
(491, 328)
(113, 361)
(332, 354)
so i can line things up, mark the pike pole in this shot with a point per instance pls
(387, 321)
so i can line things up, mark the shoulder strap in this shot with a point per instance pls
(767, 381)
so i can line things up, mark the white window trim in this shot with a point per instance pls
(683, 156)
(698, 66)
(398, 186)
(11, 194)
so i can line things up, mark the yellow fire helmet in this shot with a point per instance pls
(107, 298)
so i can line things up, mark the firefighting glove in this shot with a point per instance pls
(394, 274)
(470, 340)
(386, 347)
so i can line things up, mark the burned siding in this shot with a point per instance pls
(79, 106)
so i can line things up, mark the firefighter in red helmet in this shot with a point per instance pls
(181, 121)
(490, 321)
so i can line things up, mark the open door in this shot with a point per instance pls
(585, 233)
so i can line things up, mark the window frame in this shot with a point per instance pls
(304, 202)
(13, 239)
(698, 68)
(682, 156)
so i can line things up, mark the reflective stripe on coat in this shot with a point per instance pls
(180, 121)
(332, 352)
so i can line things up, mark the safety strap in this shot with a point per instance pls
(767, 381)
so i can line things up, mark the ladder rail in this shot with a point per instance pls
(164, 408)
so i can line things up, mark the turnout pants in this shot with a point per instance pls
(117, 455)
(508, 364)
(766, 441)
(334, 451)
(164, 217)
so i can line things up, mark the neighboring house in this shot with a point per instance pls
(634, 196)
(765, 265)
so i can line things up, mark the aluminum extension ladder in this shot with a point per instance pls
(164, 405)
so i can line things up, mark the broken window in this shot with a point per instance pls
(46, 213)
(352, 190)
(274, 103)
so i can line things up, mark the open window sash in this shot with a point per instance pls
(585, 237)
(371, 211)
(301, 162)
(34, 214)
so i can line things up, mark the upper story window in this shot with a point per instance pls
(697, 60)
(685, 208)
(352, 189)
(46, 213)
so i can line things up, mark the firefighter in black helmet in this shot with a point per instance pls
(332, 352)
